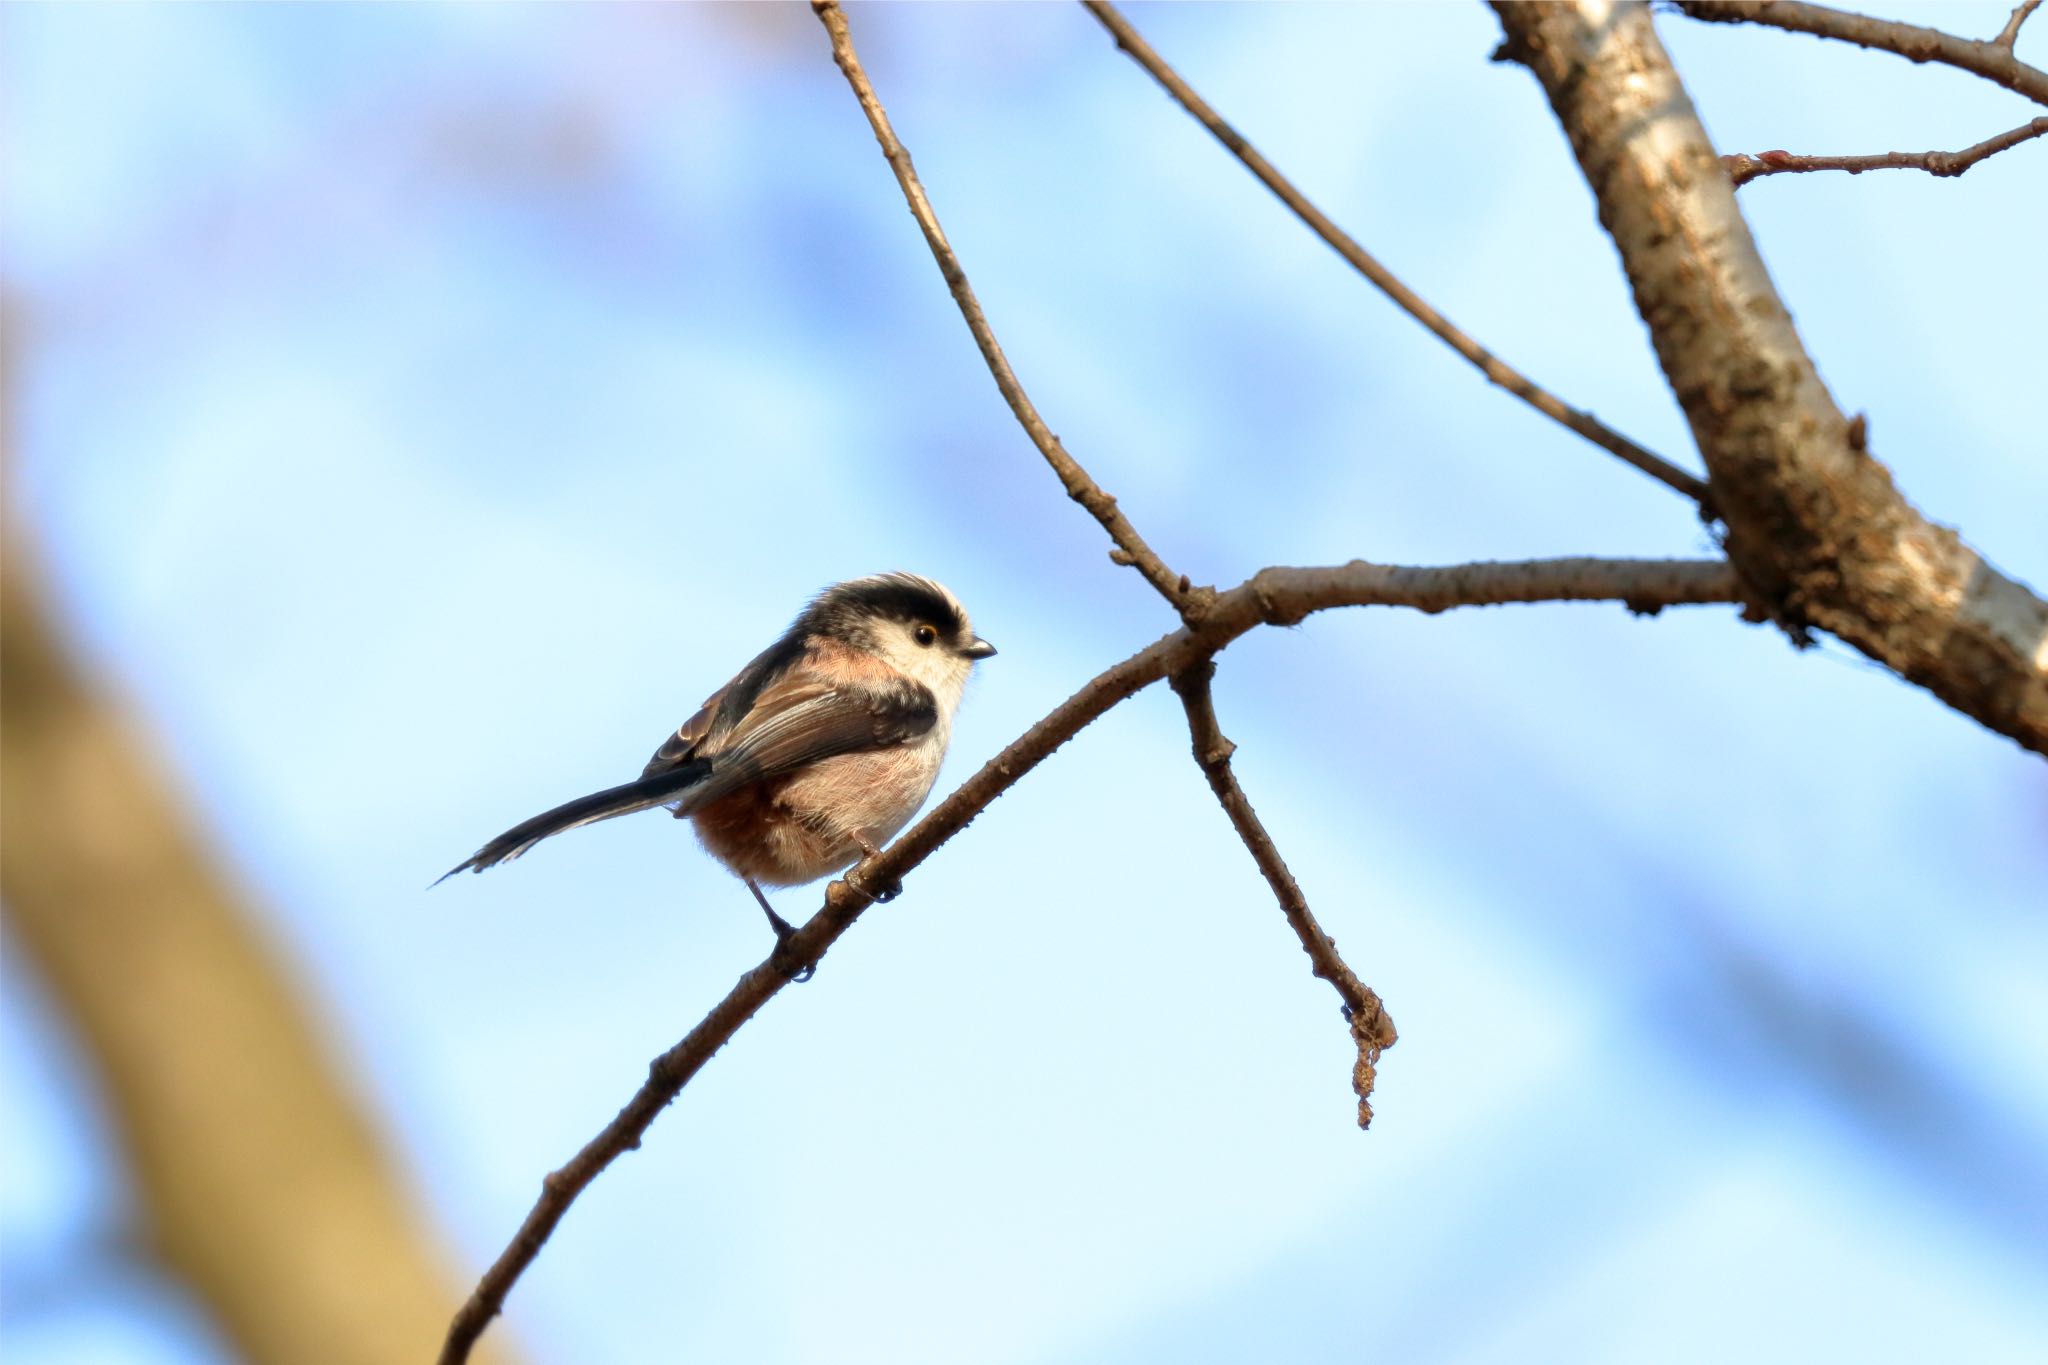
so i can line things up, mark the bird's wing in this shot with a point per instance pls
(796, 721)
(680, 747)
(724, 710)
(793, 722)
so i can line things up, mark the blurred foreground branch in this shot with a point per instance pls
(263, 1185)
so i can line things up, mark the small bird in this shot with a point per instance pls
(816, 753)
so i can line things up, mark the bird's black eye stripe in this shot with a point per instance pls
(925, 635)
(898, 597)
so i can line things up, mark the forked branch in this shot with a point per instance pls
(1372, 1030)
(1815, 524)
(1993, 60)
(1280, 596)
(1211, 622)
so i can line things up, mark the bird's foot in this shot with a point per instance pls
(877, 895)
(784, 932)
(873, 895)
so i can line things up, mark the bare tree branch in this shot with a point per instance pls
(1274, 596)
(1080, 487)
(1372, 1031)
(1993, 60)
(2010, 34)
(1743, 167)
(1191, 602)
(1371, 1028)
(1277, 596)
(1493, 367)
(1815, 524)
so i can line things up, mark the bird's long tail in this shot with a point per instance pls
(645, 794)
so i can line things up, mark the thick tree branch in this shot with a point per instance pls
(1992, 60)
(1493, 367)
(1815, 525)
(1743, 167)
(1080, 487)
(1372, 1031)
(1278, 596)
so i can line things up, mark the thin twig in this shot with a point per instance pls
(1993, 60)
(1743, 168)
(1372, 1031)
(2010, 34)
(1277, 596)
(1493, 367)
(1131, 547)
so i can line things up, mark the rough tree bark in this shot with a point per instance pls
(1815, 525)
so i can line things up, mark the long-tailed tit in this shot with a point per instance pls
(816, 753)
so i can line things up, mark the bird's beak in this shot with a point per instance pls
(980, 649)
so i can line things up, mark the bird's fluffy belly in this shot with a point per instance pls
(798, 828)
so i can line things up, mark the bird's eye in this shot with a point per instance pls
(925, 636)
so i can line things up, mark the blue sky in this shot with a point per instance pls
(422, 408)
